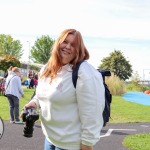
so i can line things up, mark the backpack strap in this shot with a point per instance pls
(9, 82)
(75, 73)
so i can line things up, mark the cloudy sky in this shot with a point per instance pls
(105, 25)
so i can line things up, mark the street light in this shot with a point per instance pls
(28, 67)
(144, 74)
(29, 52)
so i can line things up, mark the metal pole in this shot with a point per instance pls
(29, 52)
(144, 75)
(28, 67)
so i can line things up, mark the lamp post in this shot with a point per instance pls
(28, 67)
(29, 52)
(144, 74)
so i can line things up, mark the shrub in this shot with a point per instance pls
(134, 84)
(134, 87)
(115, 85)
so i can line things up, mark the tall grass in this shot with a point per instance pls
(134, 85)
(115, 85)
(119, 87)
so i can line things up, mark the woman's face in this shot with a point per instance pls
(18, 73)
(67, 49)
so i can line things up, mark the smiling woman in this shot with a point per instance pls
(71, 117)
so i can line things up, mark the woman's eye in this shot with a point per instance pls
(64, 42)
(73, 45)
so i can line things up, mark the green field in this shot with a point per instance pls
(121, 112)
(4, 106)
(137, 142)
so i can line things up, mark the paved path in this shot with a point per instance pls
(112, 136)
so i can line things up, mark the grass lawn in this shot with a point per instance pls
(121, 112)
(4, 106)
(137, 142)
(124, 111)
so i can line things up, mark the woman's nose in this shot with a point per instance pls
(68, 46)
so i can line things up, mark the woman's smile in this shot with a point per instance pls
(67, 49)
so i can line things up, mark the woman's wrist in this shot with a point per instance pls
(85, 147)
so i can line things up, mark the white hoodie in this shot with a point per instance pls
(71, 116)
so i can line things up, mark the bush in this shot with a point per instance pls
(134, 87)
(134, 84)
(115, 85)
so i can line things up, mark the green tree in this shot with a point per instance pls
(8, 60)
(117, 64)
(41, 50)
(10, 46)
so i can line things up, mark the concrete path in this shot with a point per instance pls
(111, 137)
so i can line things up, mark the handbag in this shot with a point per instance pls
(7, 86)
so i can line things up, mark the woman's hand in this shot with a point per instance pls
(30, 104)
(85, 147)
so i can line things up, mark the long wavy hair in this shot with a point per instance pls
(54, 64)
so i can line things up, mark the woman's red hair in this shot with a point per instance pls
(55, 62)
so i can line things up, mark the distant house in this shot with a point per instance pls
(29, 66)
(25, 67)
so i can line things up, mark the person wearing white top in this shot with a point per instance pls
(71, 118)
(14, 92)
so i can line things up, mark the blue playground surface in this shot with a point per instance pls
(137, 97)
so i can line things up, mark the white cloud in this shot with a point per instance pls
(91, 17)
(112, 20)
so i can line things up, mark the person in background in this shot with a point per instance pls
(8, 72)
(2, 86)
(71, 118)
(14, 92)
(36, 80)
(31, 86)
(30, 77)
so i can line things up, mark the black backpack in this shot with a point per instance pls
(108, 96)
